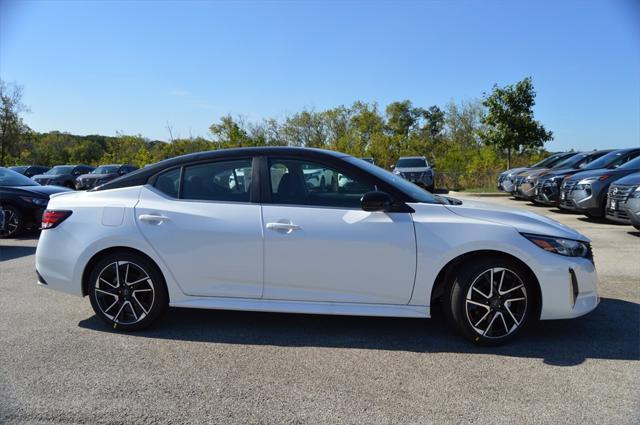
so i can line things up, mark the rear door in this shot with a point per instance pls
(321, 246)
(200, 220)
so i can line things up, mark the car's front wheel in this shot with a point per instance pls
(14, 222)
(127, 291)
(490, 301)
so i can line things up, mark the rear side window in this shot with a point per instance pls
(228, 181)
(169, 182)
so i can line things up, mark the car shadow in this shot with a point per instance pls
(610, 332)
(11, 252)
(636, 234)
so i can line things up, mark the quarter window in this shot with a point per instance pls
(306, 183)
(169, 182)
(218, 181)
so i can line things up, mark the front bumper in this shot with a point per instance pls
(547, 193)
(633, 210)
(570, 290)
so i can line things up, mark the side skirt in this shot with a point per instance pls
(304, 307)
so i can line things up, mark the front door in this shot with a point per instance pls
(319, 245)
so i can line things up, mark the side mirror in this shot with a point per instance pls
(391, 167)
(376, 201)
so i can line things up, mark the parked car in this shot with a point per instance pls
(524, 182)
(506, 179)
(586, 191)
(547, 189)
(415, 169)
(62, 175)
(380, 246)
(102, 175)
(29, 170)
(624, 204)
(23, 201)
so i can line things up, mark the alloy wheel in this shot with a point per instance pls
(124, 292)
(496, 303)
(13, 223)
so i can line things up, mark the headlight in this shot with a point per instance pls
(396, 171)
(566, 247)
(636, 193)
(36, 201)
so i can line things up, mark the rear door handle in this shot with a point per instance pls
(283, 227)
(153, 218)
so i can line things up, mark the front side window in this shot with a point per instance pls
(228, 181)
(298, 182)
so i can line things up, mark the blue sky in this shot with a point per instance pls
(102, 67)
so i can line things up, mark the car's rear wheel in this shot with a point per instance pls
(127, 291)
(490, 300)
(14, 222)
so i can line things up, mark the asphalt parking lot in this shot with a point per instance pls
(59, 363)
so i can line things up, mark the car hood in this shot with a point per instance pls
(50, 176)
(412, 169)
(533, 172)
(97, 176)
(42, 191)
(514, 171)
(600, 172)
(523, 221)
(630, 179)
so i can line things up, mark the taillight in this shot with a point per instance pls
(52, 218)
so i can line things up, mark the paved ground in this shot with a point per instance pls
(59, 364)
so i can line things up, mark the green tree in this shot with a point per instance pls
(11, 124)
(509, 119)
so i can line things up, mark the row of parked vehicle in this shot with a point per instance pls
(25, 190)
(603, 184)
(78, 177)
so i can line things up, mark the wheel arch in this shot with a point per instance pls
(444, 276)
(107, 251)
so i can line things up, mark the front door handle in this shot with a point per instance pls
(283, 227)
(153, 218)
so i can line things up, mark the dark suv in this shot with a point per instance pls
(62, 175)
(623, 199)
(102, 175)
(30, 170)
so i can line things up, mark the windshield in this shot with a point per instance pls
(571, 162)
(417, 193)
(11, 178)
(631, 165)
(549, 161)
(106, 169)
(609, 160)
(412, 163)
(19, 169)
(60, 169)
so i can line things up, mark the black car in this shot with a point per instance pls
(62, 175)
(23, 201)
(30, 170)
(547, 189)
(102, 175)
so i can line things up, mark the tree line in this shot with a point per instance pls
(468, 142)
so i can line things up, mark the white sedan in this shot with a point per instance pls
(180, 233)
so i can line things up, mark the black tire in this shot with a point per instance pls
(135, 307)
(637, 226)
(15, 222)
(461, 303)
